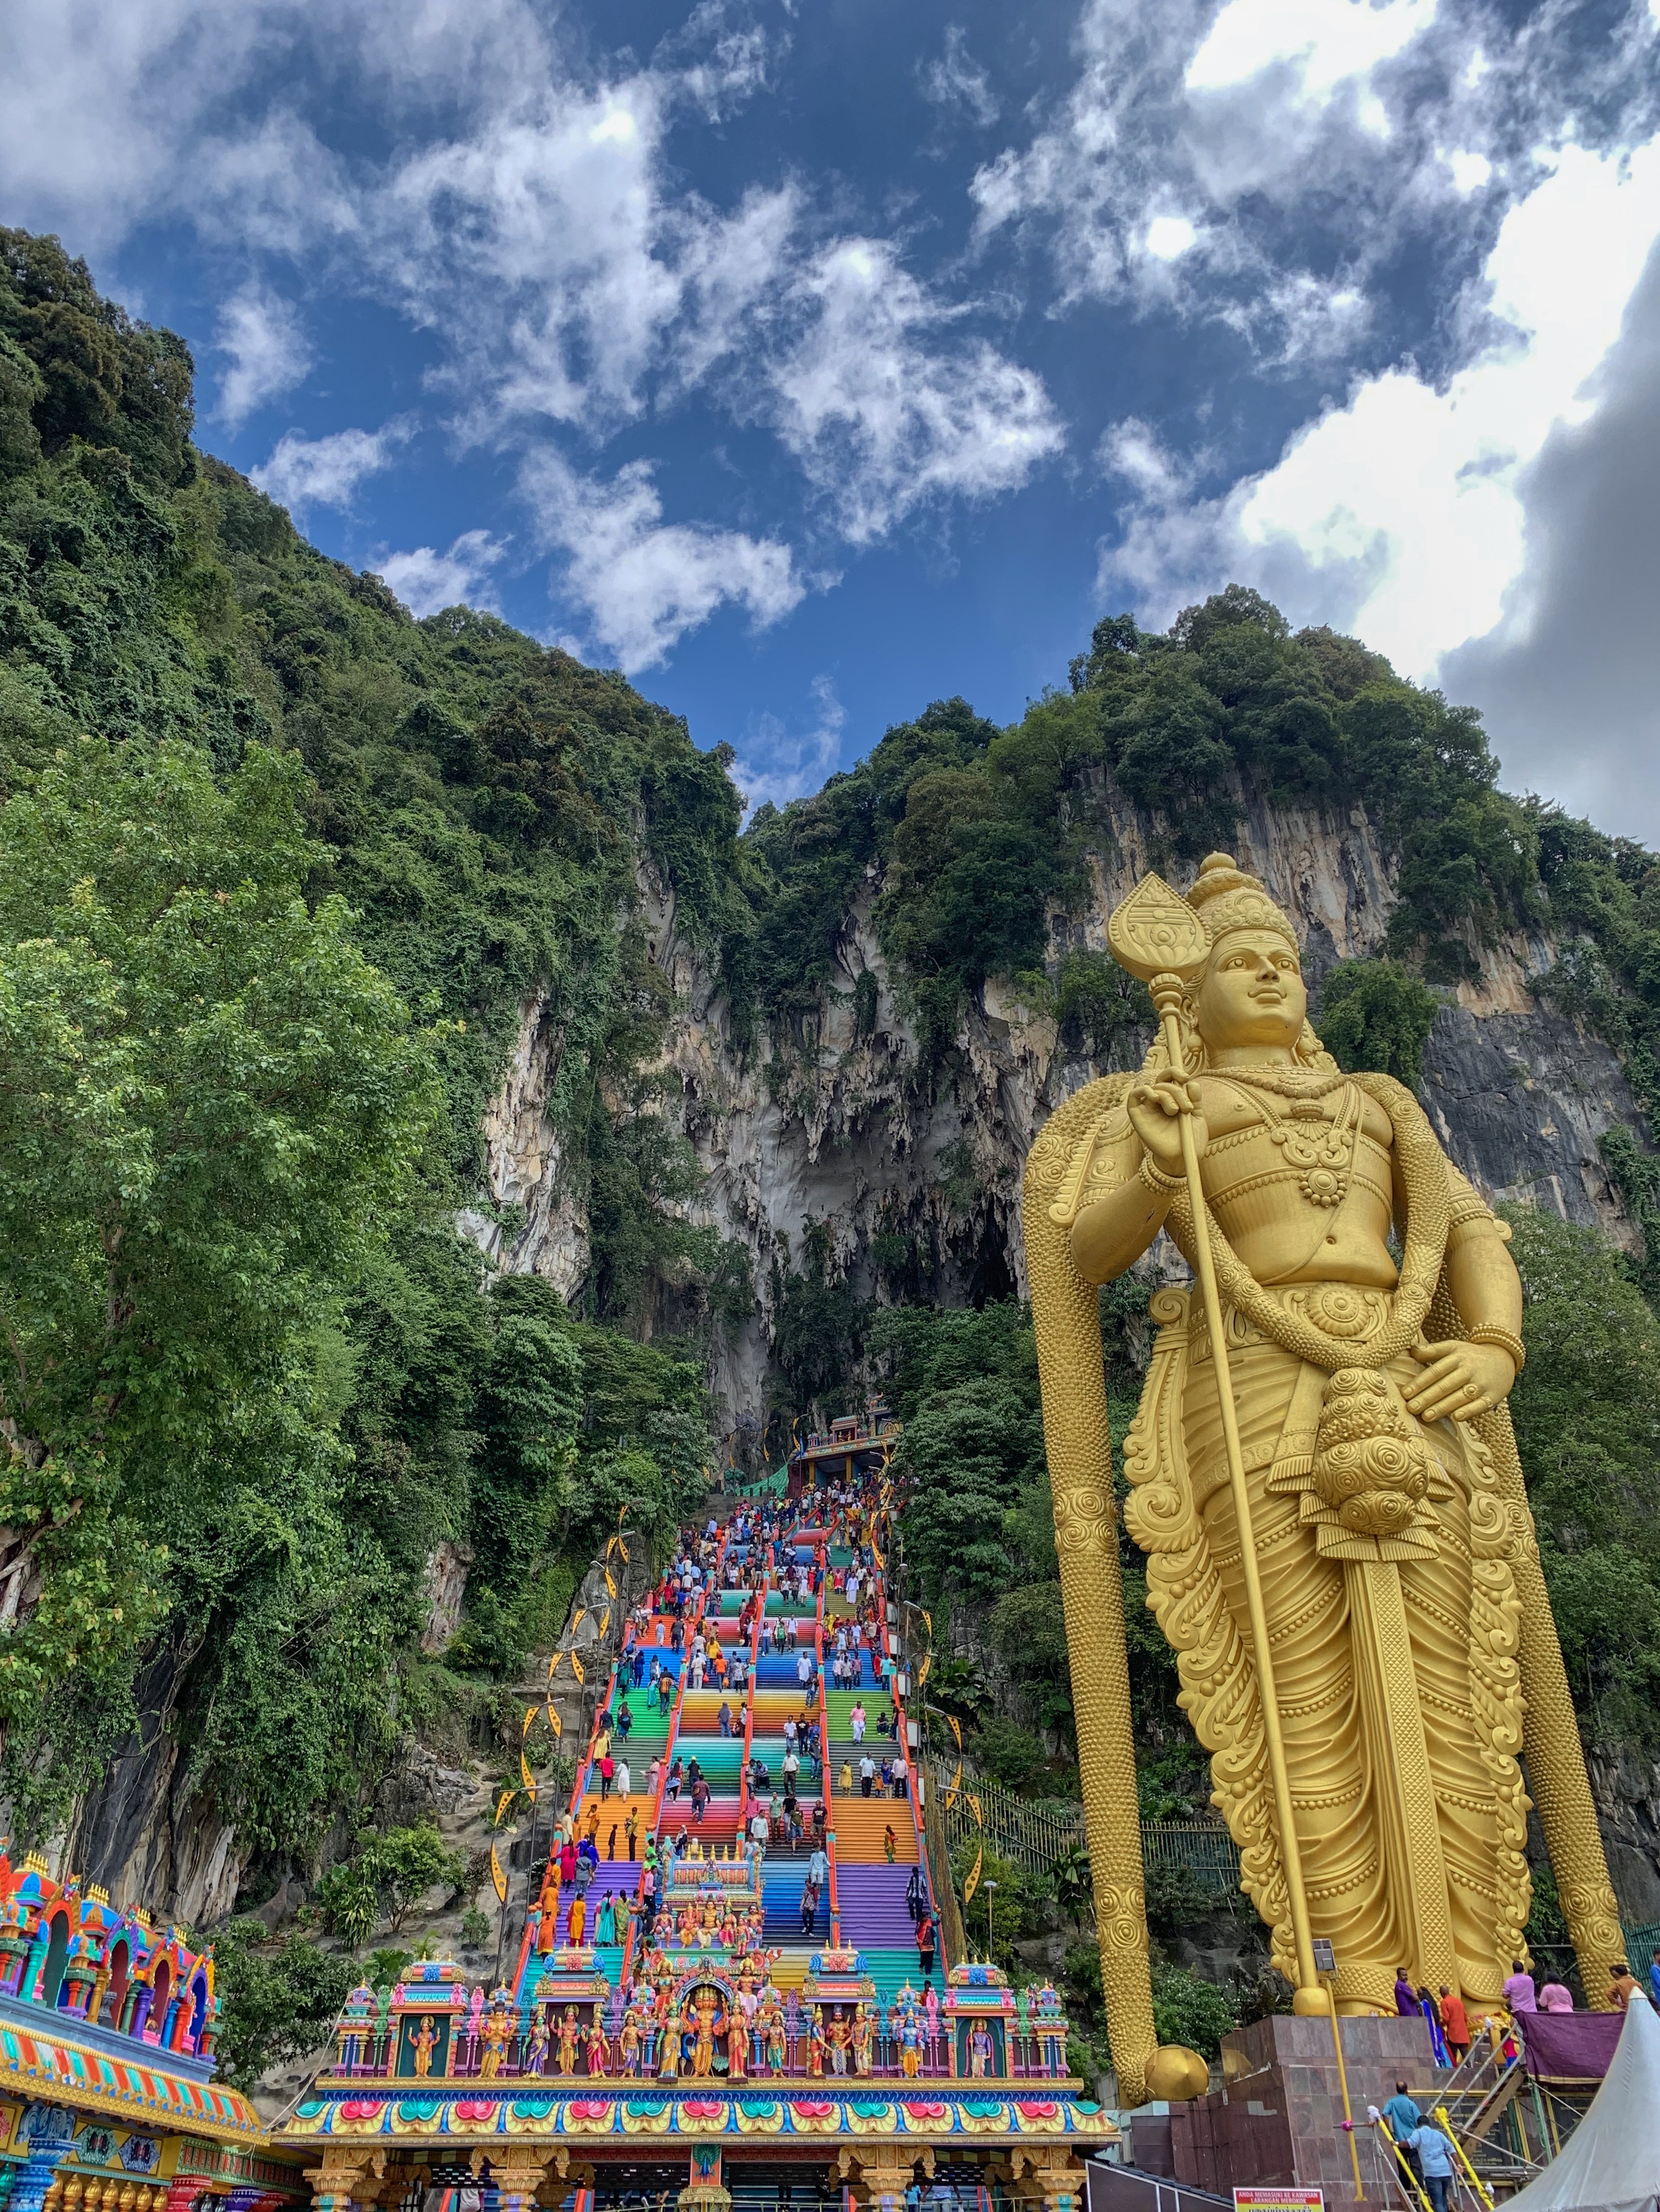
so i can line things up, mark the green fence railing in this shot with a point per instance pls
(1034, 1832)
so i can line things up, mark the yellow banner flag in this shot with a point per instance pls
(950, 1722)
(497, 1876)
(578, 1618)
(922, 1670)
(605, 1621)
(554, 1722)
(553, 1662)
(527, 1776)
(973, 1882)
(979, 1818)
(624, 1549)
(957, 1780)
(503, 1803)
(611, 1586)
(576, 1667)
(928, 1620)
(529, 1715)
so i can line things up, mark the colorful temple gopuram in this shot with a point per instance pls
(108, 2099)
(732, 1988)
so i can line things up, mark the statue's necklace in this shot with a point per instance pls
(1322, 1150)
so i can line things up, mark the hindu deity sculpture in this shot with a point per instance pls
(1323, 1478)
(776, 2038)
(668, 2043)
(598, 2047)
(569, 2033)
(864, 2041)
(707, 2021)
(425, 2040)
(536, 2051)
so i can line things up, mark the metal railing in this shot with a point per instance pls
(1036, 1832)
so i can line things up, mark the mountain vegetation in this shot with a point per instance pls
(279, 868)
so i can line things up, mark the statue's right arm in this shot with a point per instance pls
(1113, 1230)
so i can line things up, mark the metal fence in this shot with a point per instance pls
(1029, 1831)
(1200, 1853)
(1034, 1832)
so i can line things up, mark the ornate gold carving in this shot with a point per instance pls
(1156, 932)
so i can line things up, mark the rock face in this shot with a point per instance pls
(918, 1184)
(147, 1833)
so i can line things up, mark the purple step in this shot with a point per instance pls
(870, 1900)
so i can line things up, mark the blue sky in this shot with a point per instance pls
(812, 362)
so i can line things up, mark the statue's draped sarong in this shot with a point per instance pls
(1396, 1679)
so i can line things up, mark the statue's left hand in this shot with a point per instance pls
(1459, 1380)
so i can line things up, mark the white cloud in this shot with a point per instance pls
(1404, 515)
(643, 582)
(881, 413)
(427, 581)
(261, 334)
(1470, 171)
(776, 766)
(1219, 161)
(306, 472)
(1317, 45)
(1170, 236)
(111, 110)
(953, 79)
(534, 245)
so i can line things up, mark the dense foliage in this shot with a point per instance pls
(278, 869)
(1587, 1412)
(278, 2000)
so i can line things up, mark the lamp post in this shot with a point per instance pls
(990, 1887)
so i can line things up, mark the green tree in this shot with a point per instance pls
(385, 1877)
(278, 2001)
(965, 1457)
(1586, 1408)
(208, 1101)
(1375, 1015)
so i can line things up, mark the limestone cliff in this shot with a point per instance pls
(841, 1130)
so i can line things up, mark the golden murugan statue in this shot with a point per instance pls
(1388, 1591)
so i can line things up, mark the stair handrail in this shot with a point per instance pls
(823, 1748)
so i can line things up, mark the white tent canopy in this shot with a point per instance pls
(1612, 2161)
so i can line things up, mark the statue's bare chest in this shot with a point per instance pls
(1312, 1151)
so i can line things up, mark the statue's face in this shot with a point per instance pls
(1251, 992)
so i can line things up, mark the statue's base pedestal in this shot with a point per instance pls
(1278, 2118)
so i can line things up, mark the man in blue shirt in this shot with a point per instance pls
(1434, 2155)
(1654, 1980)
(1403, 2119)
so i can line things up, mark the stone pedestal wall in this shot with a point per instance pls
(1279, 2116)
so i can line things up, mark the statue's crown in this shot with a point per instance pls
(1225, 897)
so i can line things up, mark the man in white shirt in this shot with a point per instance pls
(866, 1775)
(856, 1722)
